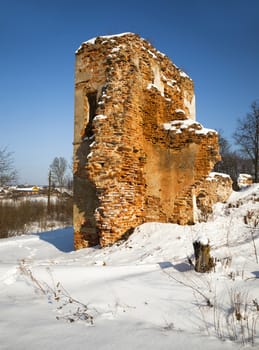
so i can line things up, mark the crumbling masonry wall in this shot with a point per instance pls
(139, 154)
(217, 187)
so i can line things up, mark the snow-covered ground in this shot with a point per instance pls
(138, 294)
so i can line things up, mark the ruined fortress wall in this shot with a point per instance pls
(139, 154)
(217, 187)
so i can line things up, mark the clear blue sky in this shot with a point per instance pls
(215, 41)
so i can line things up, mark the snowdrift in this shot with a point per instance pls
(142, 293)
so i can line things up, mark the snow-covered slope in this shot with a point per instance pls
(138, 294)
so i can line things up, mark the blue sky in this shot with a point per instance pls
(215, 42)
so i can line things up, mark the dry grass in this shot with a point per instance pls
(17, 217)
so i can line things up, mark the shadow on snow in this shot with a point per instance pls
(62, 239)
(181, 267)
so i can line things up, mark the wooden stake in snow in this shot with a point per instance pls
(203, 261)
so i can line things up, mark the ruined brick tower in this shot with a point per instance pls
(139, 154)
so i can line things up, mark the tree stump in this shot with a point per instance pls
(203, 261)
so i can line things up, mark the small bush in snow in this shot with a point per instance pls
(67, 307)
(251, 219)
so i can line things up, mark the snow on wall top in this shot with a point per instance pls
(212, 176)
(245, 176)
(179, 125)
(244, 180)
(183, 74)
(152, 51)
(92, 40)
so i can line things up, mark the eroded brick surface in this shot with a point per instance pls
(217, 187)
(139, 154)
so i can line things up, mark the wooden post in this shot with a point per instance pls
(203, 261)
(49, 191)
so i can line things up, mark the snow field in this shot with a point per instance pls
(137, 294)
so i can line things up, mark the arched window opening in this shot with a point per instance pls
(92, 106)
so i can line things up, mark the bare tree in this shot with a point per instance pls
(231, 163)
(58, 171)
(224, 144)
(70, 175)
(224, 150)
(247, 137)
(8, 173)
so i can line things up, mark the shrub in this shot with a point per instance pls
(21, 216)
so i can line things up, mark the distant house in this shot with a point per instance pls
(27, 190)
